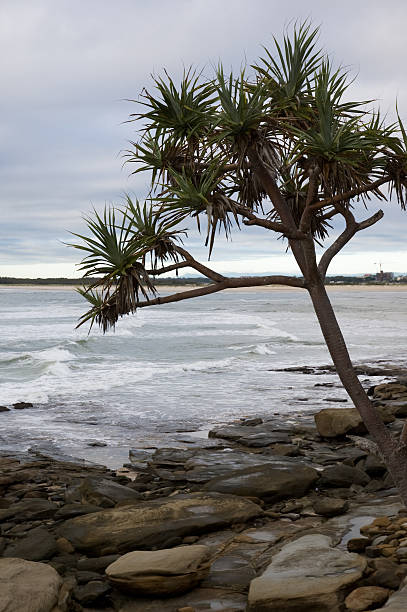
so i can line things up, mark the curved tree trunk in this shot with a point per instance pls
(395, 455)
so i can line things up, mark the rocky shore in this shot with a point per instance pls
(265, 515)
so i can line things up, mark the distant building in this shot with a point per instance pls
(384, 276)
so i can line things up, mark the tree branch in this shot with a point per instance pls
(227, 283)
(176, 266)
(349, 194)
(350, 230)
(193, 263)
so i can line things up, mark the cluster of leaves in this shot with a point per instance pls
(200, 141)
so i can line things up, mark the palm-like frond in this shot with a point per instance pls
(182, 113)
(204, 193)
(241, 110)
(287, 74)
(146, 224)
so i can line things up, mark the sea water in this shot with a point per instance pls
(176, 368)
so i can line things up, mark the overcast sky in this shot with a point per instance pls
(67, 67)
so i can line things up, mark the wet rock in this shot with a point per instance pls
(307, 574)
(161, 572)
(230, 571)
(257, 435)
(92, 592)
(252, 422)
(29, 510)
(96, 564)
(25, 585)
(84, 577)
(357, 545)
(364, 598)
(72, 510)
(273, 482)
(386, 577)
(37, 545)
(105, 493)
(202, 467)
(342, 476)
(4, 409)
(22, 405)
(330, 506)
(152, 524)
(333, 422)
(205, 599)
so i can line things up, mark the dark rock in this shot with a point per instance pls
(335, 399)
(330, 506)
(91, 592)
(96, 564)
(374, 467)
(205, 466)
(386, 577)
(358, 545)
(37, 545)
(85, 576)
(251, 422)
(150, 524)
(22, 405)
(272, 482)
(72, 510)
(105, 493)
(4, 409)
(342, 476)
(29, 510)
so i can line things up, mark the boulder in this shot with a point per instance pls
(396, 602)
(152, 524)
(204, 466)
(330, 506)
(105, 493)
(30, 509)
(160, 572)
(272, 482)
(342, 476)
(364, 598)
(333, 422)
(27, 586)
(4, 409)
(22, 405)
(91, 593)
(37, 545)
(307, 574)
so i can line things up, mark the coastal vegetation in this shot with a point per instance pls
(281, 148)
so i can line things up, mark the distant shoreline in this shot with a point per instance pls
(179, 288)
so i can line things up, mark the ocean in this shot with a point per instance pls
(171, 372)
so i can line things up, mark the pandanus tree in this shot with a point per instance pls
(283, 149)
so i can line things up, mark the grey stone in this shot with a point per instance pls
(307, 574)
(342, 476)
(160, 572)
(27, 586)
(29, 510)
(272, 482)
(105, 493)
(72, 510)
(330, 506)
(152, 524)
(37, 545)
(91, 592)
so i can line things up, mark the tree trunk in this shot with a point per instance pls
(395, 455)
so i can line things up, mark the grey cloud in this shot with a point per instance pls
(70, 65)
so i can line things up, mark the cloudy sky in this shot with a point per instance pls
(68, 66)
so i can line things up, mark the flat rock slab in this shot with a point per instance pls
(202, 599)
(307, 574)
(27, 586)
(256, 436)
(153, 524)
(272, 482)
(160, 572)
(202, 467)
